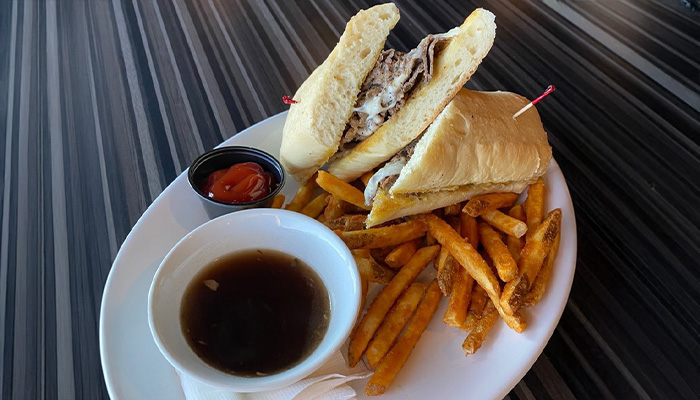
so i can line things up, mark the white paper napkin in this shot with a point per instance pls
(328, 382)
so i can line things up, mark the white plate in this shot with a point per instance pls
(134, 368)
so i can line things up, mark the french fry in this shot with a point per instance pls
(531, 258)
(469, 229)
(477, 335)
(371, 269)
(505, 223)
(515, 245)
(382, 237)
(463, 252)
(381, 253)
(456, 311)
(476, 307)
(385, 299)
(534, 205)
(446, 264)
(366, 177)
(479, 298)
(485, 255)
(469, 322)
(514, 321)
(505, 264)
(430, 241)
(365, 288)
(347, 222)
(480, 204)
(393, 324)
(335, 208)
(278, 201)
(341, 190)
(447, 270)
(303, 195)
(402, 253)
(517, 212)
(316, 206)
(392, 363)
(540, 285)
(453, 209)
(470, 259)
(454, 222)
(361, 253)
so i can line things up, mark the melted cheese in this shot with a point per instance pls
(393, 167)
(452, 32)
(384, 100)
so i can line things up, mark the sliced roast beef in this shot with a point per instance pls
(387, 85)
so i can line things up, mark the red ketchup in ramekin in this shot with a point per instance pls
(240, 183)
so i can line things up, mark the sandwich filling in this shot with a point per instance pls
(389, 173)
(388, 85)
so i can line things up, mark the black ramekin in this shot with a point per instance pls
(225, 157)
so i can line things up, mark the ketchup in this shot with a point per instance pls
(240, 183)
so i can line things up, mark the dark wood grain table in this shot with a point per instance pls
(104, 103)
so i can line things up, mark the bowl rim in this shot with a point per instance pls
(246, 384)
(228, 149)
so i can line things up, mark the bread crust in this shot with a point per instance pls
(476, 140)
(387, 207)
(453, 67)
(315, 124)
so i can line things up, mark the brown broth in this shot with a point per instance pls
(255, 312)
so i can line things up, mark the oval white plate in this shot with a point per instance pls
(134, 368)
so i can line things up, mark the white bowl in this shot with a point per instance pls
(281, 230)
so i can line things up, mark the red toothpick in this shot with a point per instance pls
(288, 100)
(549, 90)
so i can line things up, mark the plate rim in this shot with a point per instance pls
(111, 280)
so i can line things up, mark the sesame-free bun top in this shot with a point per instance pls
(315, 124)
(476, 140)
(453, 66)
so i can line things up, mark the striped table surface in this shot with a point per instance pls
(104, 103)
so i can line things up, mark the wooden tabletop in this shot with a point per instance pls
(104, 103)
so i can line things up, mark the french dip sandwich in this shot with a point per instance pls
(406, 117)
(363, 104)
(474, 146)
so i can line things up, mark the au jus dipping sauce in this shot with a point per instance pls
(255, 312)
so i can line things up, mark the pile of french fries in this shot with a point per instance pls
(492, 257)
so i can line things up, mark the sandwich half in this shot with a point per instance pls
(362, 105)
(325, 101)
(474, 146)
